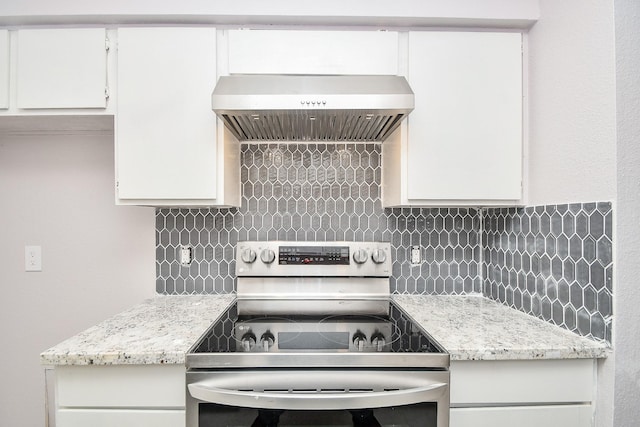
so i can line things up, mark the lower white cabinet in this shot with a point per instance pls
(120, 396)
(523, 393)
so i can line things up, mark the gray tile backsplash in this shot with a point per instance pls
(318, 192)
(553, 262)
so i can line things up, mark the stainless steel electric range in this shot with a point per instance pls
(314, 339)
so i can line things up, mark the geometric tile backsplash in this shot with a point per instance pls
(553, 262)
(318, 192)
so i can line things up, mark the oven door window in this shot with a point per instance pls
(416, 415)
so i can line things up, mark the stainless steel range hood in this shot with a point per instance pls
(311, 107)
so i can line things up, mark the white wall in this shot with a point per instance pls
(98, 258)
(627, 292)
(572, 103)
(572, 136)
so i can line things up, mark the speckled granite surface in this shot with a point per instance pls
(476, 328)
(159, 330)
(162, 330)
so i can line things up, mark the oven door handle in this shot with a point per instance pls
(317, 400)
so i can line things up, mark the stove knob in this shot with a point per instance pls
(360, 256)
(378, 341)
(267, 256)
(248, 341)
(359, 340)
(267, 339)
(379, 256)
(248, 256)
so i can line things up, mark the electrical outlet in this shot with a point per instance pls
(185, 255)
(33, 258)
(416, 255)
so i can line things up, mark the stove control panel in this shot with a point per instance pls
(313, 259)
(318, 255)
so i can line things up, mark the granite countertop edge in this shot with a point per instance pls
(487, 330)
(161, 330)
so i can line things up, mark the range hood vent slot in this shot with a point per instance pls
(305, 126)
(312, 108)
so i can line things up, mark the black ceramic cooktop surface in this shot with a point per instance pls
(403, 336)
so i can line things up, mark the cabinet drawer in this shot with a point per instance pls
(523, 416)
(119, 418)
(150, 386)
(519, 381)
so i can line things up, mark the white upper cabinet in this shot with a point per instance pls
(463, 142)
(465, 134)
(312, 52)
(61, 68)
(166, 150)
(4, 69)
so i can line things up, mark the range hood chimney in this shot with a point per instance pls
(303, 108)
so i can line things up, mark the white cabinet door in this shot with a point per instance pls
(4, 69)
(61, 68)
(165, 128)
(465, 134)
(312, 52)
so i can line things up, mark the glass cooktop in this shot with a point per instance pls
(270, 334)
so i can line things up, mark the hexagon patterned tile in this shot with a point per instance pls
(320, 192)
(553, 262)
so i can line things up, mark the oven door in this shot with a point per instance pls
(265, 398)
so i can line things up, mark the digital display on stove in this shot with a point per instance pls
(313, 255)
(313, 340)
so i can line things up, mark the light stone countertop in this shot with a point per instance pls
(161, 330)
(158, 331)
(477, 328)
